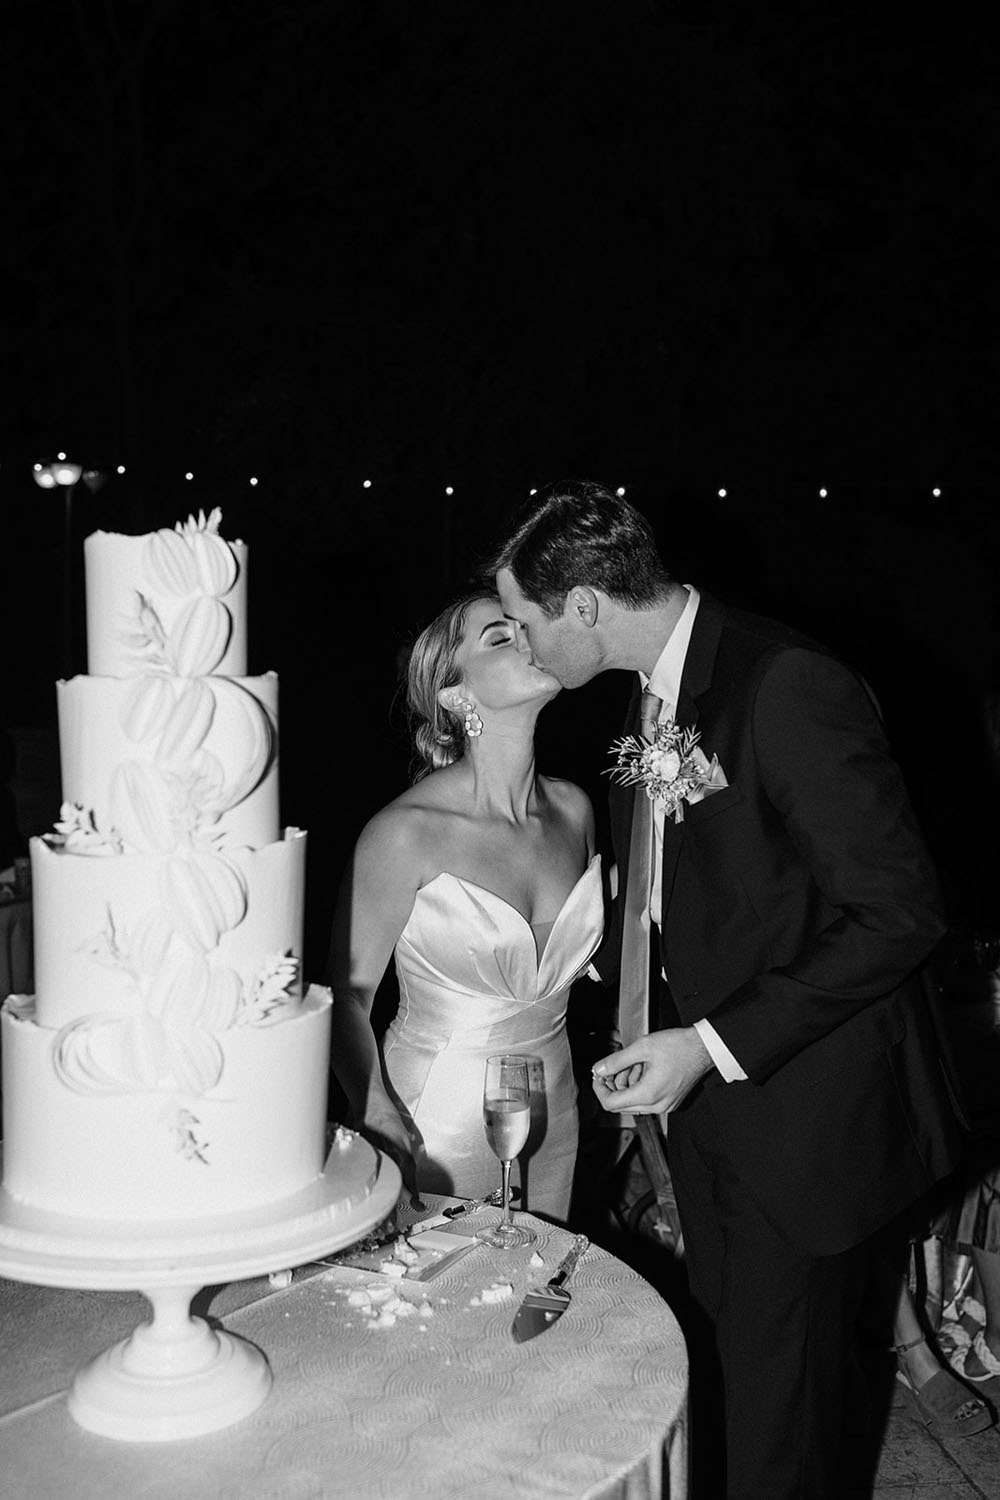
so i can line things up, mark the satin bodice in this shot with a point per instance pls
(467, 963)
(471, 982)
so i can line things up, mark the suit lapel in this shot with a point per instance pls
(686, 713)
(703, 647)
(699, 665)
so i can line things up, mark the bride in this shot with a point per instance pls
(482, 879)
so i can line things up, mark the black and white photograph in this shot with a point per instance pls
(499, 751)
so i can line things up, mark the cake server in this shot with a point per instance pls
(545, 1305)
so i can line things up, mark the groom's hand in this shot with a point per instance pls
(652, 1075)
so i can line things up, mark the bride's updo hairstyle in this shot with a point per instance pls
(438, 734)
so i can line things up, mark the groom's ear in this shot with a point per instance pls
(583, 604)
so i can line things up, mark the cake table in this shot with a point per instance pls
(443, 1405)
(175, 1376)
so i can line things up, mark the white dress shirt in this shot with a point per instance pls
(665, 682)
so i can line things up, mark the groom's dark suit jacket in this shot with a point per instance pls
(799, 909)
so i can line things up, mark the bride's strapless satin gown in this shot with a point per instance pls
(473, 982)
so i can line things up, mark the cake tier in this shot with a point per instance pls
(194, 936)
(173, 601)
(159, 759)
(158, 1155)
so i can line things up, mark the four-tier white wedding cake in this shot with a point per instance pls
(169, 1066)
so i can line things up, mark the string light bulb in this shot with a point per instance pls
(66, 472)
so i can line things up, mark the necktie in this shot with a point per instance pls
(649, 713)
(633, 997)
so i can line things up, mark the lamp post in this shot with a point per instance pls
(62, 474)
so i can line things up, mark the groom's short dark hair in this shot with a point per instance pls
(583, 533)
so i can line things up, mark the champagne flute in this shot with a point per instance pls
(507, 1120)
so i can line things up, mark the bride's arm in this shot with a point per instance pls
(374, 903)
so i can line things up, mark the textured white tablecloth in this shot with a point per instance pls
(442, 1405)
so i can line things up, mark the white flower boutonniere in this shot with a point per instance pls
(671, 768)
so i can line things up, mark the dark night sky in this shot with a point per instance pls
(674, 247)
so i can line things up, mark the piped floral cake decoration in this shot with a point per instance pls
(76, 831)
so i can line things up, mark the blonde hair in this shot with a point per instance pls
(438, 733)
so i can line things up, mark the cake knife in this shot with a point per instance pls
(468, 1206)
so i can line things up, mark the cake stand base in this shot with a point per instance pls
(175, 1376)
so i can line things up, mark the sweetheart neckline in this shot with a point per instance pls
(461, 880)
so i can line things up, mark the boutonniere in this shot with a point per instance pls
(671, 768)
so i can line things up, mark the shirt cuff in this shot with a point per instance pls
(720, 1053)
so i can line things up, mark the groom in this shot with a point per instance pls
(789, 905)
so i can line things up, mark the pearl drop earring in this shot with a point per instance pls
(473, 723)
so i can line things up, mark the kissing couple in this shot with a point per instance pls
(766, 948)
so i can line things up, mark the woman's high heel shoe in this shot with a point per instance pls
(943, 1398)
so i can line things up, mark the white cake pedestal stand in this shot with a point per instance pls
(175, 1376)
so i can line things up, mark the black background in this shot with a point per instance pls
(679, 248)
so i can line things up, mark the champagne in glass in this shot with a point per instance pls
(506, 1120)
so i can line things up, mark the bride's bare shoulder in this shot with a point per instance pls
(405, 826)
(567, 796)
(572, 805)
